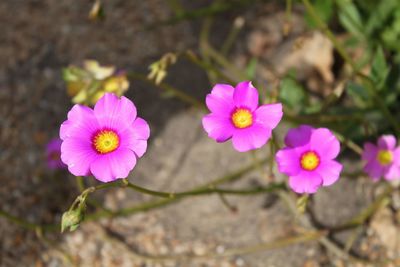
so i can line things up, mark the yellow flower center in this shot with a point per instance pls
(105, 141)
(242, 118)
(309, 161)
(384, 157)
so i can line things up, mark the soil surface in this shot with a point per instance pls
(39, 38)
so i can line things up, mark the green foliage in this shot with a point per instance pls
(377, 21)
(379, 68)
(251, 68)
(291, 93)
(359, 95)
(350, 18)
(324, 9)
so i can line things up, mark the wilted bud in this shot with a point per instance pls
(99, 72)
(88, 84)
(71, 219)
(97, 11)
(158, 69)
(301, 203)
(117, 84)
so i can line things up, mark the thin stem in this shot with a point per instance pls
(233, 33)
(350, 144)
(276, 244)
(208, 67)
(208, 188)
(26, 224)
(154, 204)
(80, 183)
(84, 194)
(305, 222)
(220, 59)
(288, 17)
(226, 203)
(147, 191)
(369, 211)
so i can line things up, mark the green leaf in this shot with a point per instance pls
(251, 68)
(350, 18)
(324, 9)
(379, 68)
(359, 94)
(291, 94)
(379, 17)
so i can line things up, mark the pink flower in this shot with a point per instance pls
(382, 160)
(53, 153)
(105, 141)
(235, 114)
(308, 159)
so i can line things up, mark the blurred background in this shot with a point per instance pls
(276, 46)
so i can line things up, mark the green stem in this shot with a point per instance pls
(154, 204)
(233, 33)
(208, 67)
(147, 191)
(226, 203)
(208, 188)
(80, 183)
(369, 211)
(26, 224)
(276, 244)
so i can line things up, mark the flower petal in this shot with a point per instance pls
(250, 138)
(305, 182)
(135, 138)
(396, 156)
(387, 142)
(246, 95)
(220, 106)
(220, 100)
(370, 151)
(81, 119)
(141, 129)
(329, 171)
(288, 161)
(139, 147)
(114, 165)
(218, 128)
(115, 113)
(269, 115)
(223, 91)
(393, 172)
(299, 136)
(374, 169)
(323, 141)
(78, 154)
